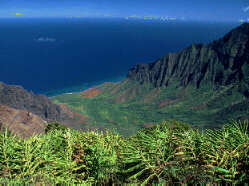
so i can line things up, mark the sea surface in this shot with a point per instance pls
(60, 55)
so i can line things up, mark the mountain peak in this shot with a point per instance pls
(243, 27)
(220, 63)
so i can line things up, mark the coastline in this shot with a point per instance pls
(79, 88)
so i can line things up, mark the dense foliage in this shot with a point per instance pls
(55, 126)
(168, 153)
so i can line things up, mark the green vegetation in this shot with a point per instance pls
(168, 153)
(55, 126)
(216, 106)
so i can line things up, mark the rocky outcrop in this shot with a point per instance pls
(17, 97)
(221, 62)
(20, 122)
(24, 113)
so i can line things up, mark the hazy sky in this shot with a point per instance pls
(215, 10)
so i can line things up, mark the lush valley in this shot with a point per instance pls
(204, 85)
(116, 105)
(159, 111)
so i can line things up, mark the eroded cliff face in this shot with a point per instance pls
(20, 122)
(17, 97)
(221, 62)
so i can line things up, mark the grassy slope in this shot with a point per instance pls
(127, 105)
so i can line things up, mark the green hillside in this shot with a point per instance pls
(129, 106)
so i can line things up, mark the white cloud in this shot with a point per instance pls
(246, 9)
(43, 39)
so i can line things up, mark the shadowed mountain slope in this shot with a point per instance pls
(221, 62)
(24, 113)
(203, 85)
(17, 97)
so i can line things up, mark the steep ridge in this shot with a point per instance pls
(203, 85)
(23, 113)
(17, 97)
(206, 86)
(221, 62)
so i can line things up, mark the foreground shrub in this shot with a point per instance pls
(169, 153)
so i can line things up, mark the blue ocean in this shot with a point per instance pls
(58, 55)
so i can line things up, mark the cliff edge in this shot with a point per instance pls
(222, 62)
(18, 98)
